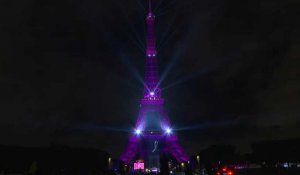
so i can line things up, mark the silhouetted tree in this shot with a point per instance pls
(164, 167)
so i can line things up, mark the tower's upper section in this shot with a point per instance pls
(151, 88)
(151, 48)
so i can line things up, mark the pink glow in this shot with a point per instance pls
(138, 166)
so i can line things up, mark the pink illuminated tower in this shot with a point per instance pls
(153, 135)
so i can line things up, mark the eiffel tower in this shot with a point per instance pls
(153, 135)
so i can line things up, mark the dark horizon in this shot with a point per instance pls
(71, 71)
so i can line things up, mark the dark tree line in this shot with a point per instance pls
(277, 151)
(53, 160)
(267, 152)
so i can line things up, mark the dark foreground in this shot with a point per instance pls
(269, 172)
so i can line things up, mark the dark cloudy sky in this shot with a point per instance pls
(70, 70)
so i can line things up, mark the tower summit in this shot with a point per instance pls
(151, 86)
(153, 135)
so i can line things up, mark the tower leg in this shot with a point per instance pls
(176, 150)
(131, 150)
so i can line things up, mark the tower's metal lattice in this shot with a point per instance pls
(152, 106)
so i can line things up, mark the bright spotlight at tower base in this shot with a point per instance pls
(169, 131)
(137, 131)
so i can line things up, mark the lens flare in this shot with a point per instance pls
(168, 131)
(138, 131)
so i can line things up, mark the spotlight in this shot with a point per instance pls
(168, 131)
(137, 131)
(151, 93)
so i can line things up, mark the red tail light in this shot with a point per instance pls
(224, 169)
(230, 173)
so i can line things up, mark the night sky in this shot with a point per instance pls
(71, 71)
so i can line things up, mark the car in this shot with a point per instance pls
(225, 171)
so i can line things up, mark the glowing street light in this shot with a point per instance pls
(198, 161)
(109, 163)
(182, 166)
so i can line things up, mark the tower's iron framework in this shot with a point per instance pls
(153, 126)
